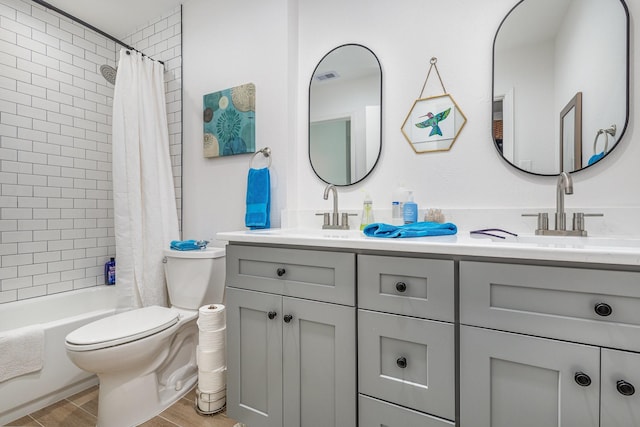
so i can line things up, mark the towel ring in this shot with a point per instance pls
(609, 131)
(266, 151)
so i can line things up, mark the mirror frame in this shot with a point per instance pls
(627, 80)
(309, 115)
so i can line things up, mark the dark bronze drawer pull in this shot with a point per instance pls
(625, 388)
(272, 315)
(582, 379)
(603, 309)
(401, 286)
(287, 318)
(401, 362)
(280, 272)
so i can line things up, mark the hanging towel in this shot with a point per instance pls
(417, 229)
(21, 351)
(595, 158)
(188, 245)
(258, 199)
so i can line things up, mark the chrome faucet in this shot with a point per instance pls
(333, 223)
(333, 189)
(563, 186)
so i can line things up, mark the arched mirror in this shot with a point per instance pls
(345, 115)
(560, 83)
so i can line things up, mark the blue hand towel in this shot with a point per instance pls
(258, 199)
(417, 229)
(185, 245)
(595, 158)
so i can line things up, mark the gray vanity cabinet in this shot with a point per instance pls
(406, 341)
(543, 345)
(292, 360)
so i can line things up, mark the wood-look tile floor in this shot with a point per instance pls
(81, 410)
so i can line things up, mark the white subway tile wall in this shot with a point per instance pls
(56, 203)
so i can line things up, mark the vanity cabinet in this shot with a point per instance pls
(291, 337)
(542, 345)
(406, 341)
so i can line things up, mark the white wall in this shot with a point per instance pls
(404, 35)
(227, 44)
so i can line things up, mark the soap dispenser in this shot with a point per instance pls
(410, 210)
(367, 212)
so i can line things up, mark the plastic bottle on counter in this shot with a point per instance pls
(410, 210)
(397, 205)
(367, 212)
(110, 272)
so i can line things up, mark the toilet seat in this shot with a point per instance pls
(122, 328)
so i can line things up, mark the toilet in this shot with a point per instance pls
(145, 358)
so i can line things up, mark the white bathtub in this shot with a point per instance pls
(59, 314)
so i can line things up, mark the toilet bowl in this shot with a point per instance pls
(145, 358)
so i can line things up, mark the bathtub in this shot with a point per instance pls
(59, 314)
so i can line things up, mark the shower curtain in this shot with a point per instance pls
(145, 213)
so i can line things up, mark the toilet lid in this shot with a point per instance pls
(123, 328)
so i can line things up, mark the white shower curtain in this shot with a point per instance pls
(146, 218)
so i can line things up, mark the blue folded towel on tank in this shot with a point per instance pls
(188, 245)
(258, 199)
(417, 229)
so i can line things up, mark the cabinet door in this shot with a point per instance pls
(509, 380)
(319, 360)
(620, 388)
(254, 357)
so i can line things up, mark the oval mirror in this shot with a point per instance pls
(560, 83)
(345, 115)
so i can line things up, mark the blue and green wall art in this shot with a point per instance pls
(230, 121)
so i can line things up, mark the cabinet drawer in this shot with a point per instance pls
(411, 286)
(317, 275)
(376, 413)
(555, 302)
(407, 361)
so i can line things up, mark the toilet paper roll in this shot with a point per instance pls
(212, 381)
(212, 340)
(210, 360)
(211, 317)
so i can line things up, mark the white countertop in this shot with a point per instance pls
(600, 250)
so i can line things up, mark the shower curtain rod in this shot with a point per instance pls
(91, 27)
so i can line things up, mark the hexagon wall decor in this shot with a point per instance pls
(433, 124)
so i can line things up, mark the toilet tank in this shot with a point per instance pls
(195, 278)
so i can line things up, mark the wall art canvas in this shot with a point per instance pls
(229, 118)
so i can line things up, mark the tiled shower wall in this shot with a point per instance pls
(56, 205)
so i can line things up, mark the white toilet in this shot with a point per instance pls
(146, 358)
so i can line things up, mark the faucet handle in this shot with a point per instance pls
(578, 220)
(326, 216)
(345, 219)
(543, 220)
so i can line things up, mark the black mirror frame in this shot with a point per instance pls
(493, 68)
(309, 115)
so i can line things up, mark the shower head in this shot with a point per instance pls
(109, 73)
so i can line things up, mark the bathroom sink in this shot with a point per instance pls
(311, 233)
(572, 241)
